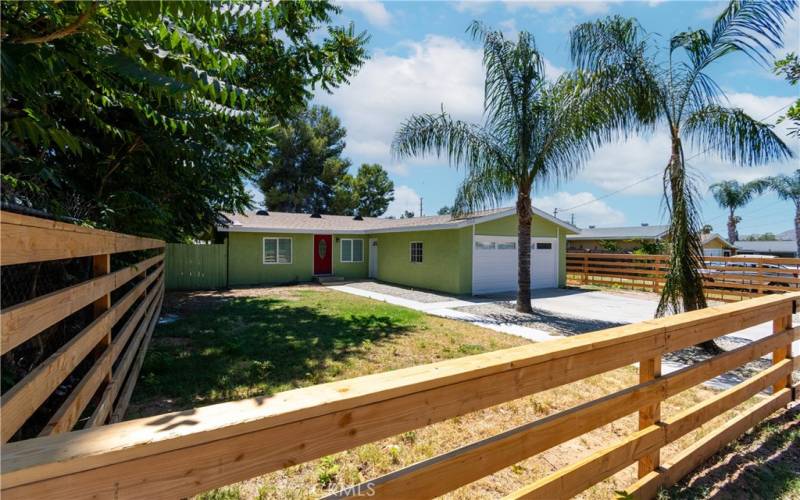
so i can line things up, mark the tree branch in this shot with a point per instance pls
(63, 32)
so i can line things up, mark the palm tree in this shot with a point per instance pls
(677, 92)
(787, 187)
(732, 195)
(534, 131)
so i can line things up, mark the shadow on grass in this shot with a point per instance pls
(249, 347)
(764, 464)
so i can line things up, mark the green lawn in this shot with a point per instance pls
(232, 347)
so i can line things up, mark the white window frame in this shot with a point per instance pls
(341, 250)
(277, 250)
(411, 252)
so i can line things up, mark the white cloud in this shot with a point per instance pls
(389, 88)
(405, 198)
(472, 6)
(587, 6)
(618, 165)
(374, 11)
(597, 213)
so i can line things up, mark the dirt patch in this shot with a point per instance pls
(764, 464)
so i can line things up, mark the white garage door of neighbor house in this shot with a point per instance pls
(494, 263)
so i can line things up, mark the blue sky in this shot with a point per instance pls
(421, 59)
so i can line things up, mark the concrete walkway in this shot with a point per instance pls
(447, 309)
(606, 308)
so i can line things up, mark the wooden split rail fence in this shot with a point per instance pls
(98, 366)
(179, 454)
(724, 278)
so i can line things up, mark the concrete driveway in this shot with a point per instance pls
(558, 313)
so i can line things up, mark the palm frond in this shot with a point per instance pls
(787, 187)
(750, 26)
(735, 136)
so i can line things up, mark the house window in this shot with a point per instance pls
(508, 245)
(352, 250)
(277, 250)
(544, 246)
(416, 251)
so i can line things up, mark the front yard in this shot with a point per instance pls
(243, 343)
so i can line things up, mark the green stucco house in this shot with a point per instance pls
(475, 254)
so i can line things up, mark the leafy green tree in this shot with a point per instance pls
(407, 214)
(733, 196)
(675, 90)
(609, 246)
(306, 164)
(148, 117)
(535, 131)
(445, 210)
(373, 190)
(787, 187)
(789, 68)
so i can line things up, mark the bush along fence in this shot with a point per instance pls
(79, 306)
(724, 278)
(196, 267)
(180, 454)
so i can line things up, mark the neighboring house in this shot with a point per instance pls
(628, 239)
(715, 245)
(469, 255)
(778, 248)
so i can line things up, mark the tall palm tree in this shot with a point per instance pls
(732, 195)
(677, 91)
(534, 131)
(787, 187)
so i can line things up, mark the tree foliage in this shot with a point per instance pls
(787, 187)
(675, 90)
(733, 196)
(789, 68)
(148, 116)
(307, 171)
(536, 131)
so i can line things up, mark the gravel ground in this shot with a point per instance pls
(401, 292)
(504, 312)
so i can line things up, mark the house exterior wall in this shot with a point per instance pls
(446, 265)
(446, 259)
(540, 228)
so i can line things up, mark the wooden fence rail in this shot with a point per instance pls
(179, 454)
(113, 343)
(724, 278)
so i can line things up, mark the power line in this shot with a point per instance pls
(657, 173)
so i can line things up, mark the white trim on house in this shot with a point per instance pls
(341, 250)
(277, 250)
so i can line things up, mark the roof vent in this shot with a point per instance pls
(316, 215)
(358, 217)
(592, 227)
(645, 224)
(262, 212)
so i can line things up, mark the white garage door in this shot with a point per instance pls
(494, 263)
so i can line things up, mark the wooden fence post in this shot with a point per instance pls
(585, 269)
(101, 265)
(649, 369)
(784, 352)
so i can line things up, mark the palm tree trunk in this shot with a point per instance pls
(732, 236)
(797, 225)
(683, 286)
(525, 215)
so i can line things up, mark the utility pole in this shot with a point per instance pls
(420, 206)
(572, 218)
(555, 212)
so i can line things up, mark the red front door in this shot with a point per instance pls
(323, 254)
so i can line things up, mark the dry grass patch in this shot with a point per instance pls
(280, 338)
